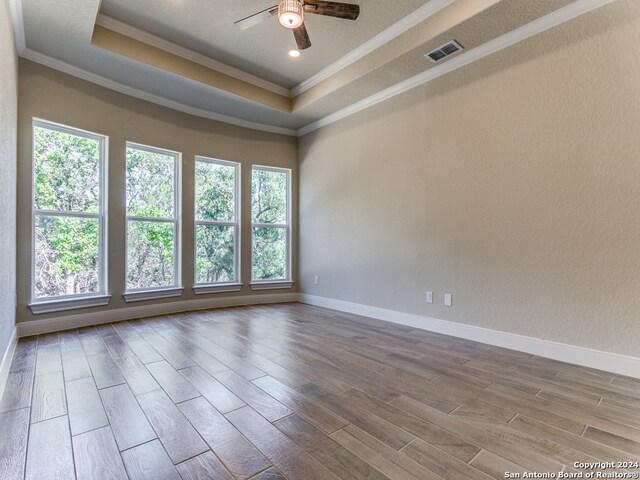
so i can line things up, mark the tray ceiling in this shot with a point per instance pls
(206, 27)
(188, 55)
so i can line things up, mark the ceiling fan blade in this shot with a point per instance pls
(347, 11)
(256, 18)
(302, 37)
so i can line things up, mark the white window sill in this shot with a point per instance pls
(218, 288)
(142, 295)
(50, 306)
(276, 285)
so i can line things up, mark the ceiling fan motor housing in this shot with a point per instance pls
(290, 13)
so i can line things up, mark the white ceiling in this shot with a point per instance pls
(207, 27)
(341, 73)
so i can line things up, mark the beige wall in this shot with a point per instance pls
(53, 96)
(8, 126)
(513, 183)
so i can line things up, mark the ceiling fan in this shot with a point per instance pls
(290, 14)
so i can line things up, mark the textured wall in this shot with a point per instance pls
(8, 126)
(513, 183)
(53, 96)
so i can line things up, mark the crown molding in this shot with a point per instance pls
(395, 30)
(17, 20)
(158, 42)
(560, 16)
(61, 66)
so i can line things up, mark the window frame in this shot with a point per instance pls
(236, 283)
(81, 300)
(287, 282)
(176, 289)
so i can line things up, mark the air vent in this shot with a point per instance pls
(444, 51)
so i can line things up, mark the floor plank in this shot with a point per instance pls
(96, 456)
(174, 431)
(49, 454)
(74, 360)
(261, 402)
(202, 467)
(495, 466)
(327, 451)
(216, 393)
(441, 463)
(129, 424)
(85, 407)
(241, 458)
(18, 389)
(286, 455)
(14, 426)
(322, 418)
(435, 436)
(389, 461)
(24, 355)
(104, 370)
(48, 360)
(380, 428)
(49, 399)
(175, 385)
(149, 461)
(271, 474)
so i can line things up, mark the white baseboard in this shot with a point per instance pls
(6, 360)
(37, 327)
(610, 362)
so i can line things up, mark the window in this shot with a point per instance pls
(216, 223)
(270, 192)
(153, 225)
(69, 199)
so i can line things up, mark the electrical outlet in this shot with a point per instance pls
(447, 299)
(429, 297)
(316, 280)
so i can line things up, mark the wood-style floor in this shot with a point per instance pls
(297, 392)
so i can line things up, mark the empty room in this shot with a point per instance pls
(317, 240)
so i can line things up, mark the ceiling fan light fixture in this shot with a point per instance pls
(290, 14)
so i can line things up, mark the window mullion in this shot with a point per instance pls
(61, 213)
(133, 218)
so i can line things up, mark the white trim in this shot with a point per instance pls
(5, 365)
(217, 288)
(271, 285)
(155, 294)
(17, 19)
(611, 362)
(61, 305)
(188, 54)
(394, 31)
(37, 327)
(61, 66)
(535, 27)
